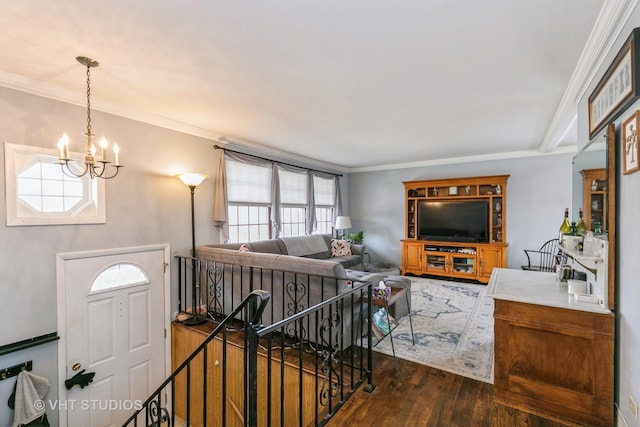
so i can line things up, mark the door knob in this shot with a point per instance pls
(80, 379)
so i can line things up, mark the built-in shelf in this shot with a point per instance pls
(588, 262)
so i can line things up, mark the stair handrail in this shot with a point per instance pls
(253, 297)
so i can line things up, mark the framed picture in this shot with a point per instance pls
(618, 88)
(630, 144)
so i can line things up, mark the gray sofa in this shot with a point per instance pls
(294, 282)
(317, 246)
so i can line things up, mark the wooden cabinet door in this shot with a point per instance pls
(437, 263)
(488, 259)
(412, 257)
(462, 265)
(554, 363)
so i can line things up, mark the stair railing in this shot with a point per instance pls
(298, 370)
(154, 413)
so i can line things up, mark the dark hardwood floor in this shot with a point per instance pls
(415, 395)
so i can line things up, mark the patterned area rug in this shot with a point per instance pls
(453, 328)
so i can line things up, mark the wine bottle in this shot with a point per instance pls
(581, 228)
(565, 228)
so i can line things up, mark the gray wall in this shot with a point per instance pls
(627, 376)
(538, 190)
(145, 205)
(628, 292)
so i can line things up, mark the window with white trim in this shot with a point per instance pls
(249, 199)
(293, 201)
(324, 194)
(324, 220)
(249, 202)
(39, 193)
(248, 223)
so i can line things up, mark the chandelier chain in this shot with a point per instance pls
(88, 100)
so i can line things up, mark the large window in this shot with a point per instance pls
(250, 214)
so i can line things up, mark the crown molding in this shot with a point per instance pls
(608, 27)
(56, 93)
(568, 149)
(46, 90)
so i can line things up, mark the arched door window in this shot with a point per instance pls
(118, 276)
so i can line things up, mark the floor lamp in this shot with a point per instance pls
(193, 180)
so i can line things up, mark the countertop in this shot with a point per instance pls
(532, 287)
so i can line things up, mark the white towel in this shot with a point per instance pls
(29, 389)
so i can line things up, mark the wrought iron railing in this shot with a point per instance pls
(298, 370)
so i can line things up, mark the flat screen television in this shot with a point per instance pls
(454, 221)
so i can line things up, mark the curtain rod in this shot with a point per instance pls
(217, 147)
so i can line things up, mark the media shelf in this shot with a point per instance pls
(455, 258)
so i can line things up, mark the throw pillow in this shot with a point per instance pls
(340, 248)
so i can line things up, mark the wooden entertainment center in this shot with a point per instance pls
(456, 258)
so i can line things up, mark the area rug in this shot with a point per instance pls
(453, 329)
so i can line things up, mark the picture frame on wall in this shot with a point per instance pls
(630, 161)
(618, 88)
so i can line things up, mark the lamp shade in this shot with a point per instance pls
(343, 222)
(192, 179)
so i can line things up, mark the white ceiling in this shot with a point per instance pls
(358, 84)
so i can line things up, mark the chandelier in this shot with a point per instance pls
(95, 168)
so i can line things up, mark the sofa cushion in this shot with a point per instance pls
(340, 248)
(349, 261)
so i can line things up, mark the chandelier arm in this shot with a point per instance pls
(70, 173)
(110, 176)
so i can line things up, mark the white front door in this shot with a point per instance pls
(114, 326)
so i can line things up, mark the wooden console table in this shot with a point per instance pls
(553, 358)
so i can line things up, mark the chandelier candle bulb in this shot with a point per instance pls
(116, 151)
(64, 141)
(60, 149)
(103, 145)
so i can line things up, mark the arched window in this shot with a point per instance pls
(118, 276)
